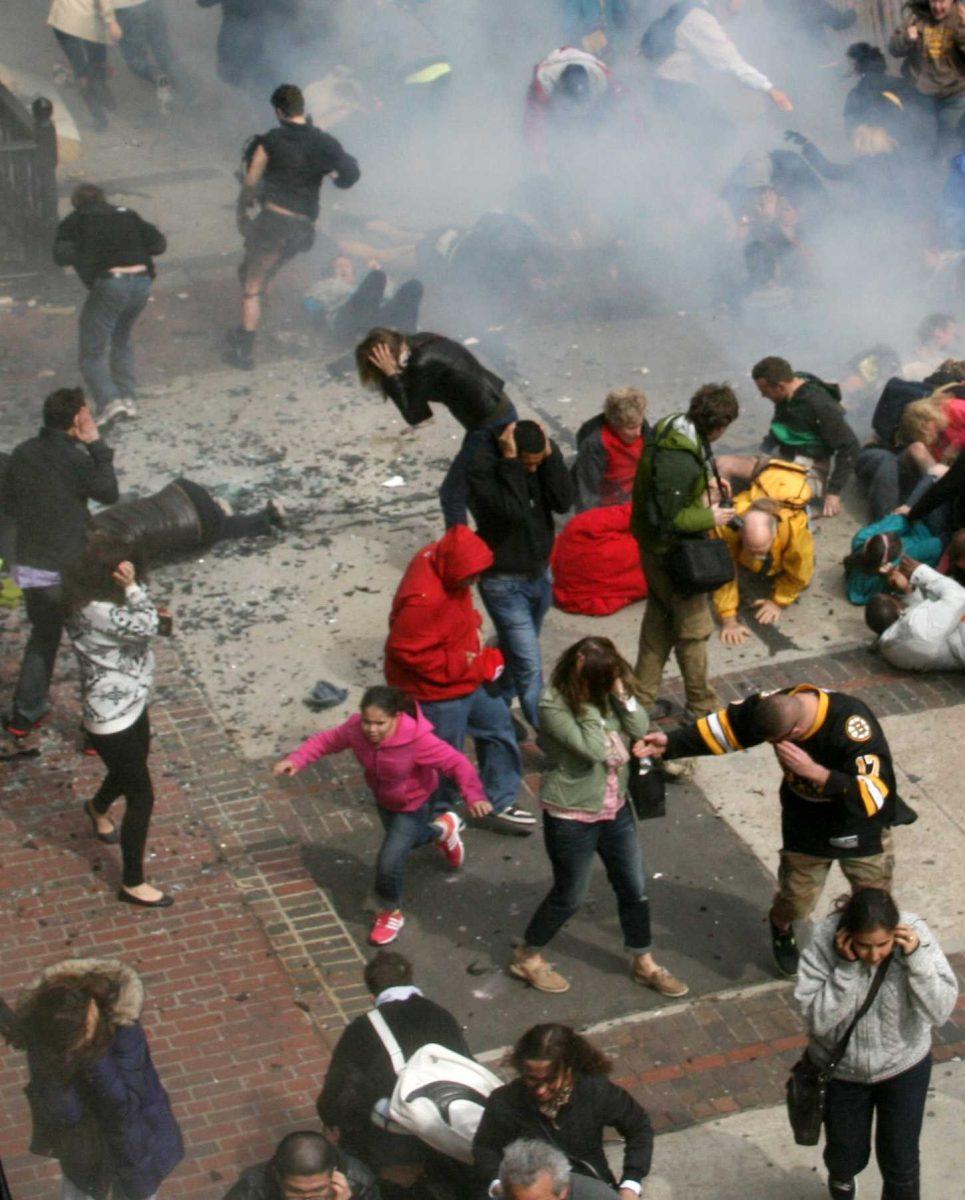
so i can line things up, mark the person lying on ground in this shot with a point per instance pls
(182, 518)
(345, 308)
(925, 633)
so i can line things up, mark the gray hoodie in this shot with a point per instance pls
(918, 993)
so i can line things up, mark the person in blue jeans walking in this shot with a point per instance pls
(588, 715)
(518, 482)
(884, 1074)
(434, 652)
(112, 249)
(413, 370)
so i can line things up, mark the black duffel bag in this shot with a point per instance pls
(698, 565)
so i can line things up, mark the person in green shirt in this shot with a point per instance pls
(672, 499)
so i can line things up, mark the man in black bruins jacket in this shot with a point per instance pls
(838, 795)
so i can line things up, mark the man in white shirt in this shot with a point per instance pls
(699, 42)
(927, 633)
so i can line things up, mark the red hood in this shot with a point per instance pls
(456, 557)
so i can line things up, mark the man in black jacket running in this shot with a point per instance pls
(414, 370)
(45, 490)
(285, 169)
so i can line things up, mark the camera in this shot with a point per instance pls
(736, 523)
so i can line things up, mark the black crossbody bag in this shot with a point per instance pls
(807, 1086)
(701, 563)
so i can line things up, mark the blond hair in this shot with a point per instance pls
(625, 406)
(918, 417)
(868, 140)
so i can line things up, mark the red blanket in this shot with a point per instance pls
(596, 563)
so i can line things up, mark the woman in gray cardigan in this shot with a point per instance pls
(587, 716)
(887, 1066)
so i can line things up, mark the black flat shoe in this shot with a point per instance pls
(164, 902)
(109, 839)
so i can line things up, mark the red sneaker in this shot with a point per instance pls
(450, 844)
(385, 927)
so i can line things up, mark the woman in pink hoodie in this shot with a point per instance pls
(401, 757)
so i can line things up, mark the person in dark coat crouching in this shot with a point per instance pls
(305, 1164)
(97, 1103)
(563, 1096)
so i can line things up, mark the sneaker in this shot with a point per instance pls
(277, 513)
(112, 410)
(786, 955)
(842, 1189)
(532, 968)
(450, 844)
(240, 349)
(129, 405)
(17, 743)
(513, 820)
(385, 927)
(661, 980)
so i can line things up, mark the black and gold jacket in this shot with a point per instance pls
(845, 817)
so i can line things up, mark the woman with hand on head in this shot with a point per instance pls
(111, 622)
(587, 716)
(401, 757)
(884, 1073)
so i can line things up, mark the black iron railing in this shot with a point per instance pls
(28, 183)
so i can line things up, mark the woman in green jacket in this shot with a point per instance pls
(587, 716)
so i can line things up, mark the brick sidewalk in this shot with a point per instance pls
(252, 973)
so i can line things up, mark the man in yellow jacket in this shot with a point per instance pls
(775, 541)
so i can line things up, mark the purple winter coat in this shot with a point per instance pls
(121, 1090)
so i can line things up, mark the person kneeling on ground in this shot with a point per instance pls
(534, 1170)
(401, 757)
(361, 1074)
(412, 370)
(182, 518)
(926, 633)
(434, 652)
(774, 540)
(562, 1094)
(306, 1164)
(809, 421)
(608, 449)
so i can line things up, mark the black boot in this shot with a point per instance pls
(241, 349)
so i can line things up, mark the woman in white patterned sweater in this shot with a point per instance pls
(111, 623)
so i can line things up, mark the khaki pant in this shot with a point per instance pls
(801, 878)
(679, 623)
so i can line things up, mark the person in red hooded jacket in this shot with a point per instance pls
(435, 653)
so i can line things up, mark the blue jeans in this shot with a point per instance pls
(404, 831)
(146, 39)
(571, 846)
(106, 321)
(485, 718)
(517, 606)
(898, 1105)
(454, 490)
(45, 612)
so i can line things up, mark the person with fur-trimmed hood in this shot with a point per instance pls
(97, 1104)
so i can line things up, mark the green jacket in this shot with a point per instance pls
(668, 492)
(576, 746)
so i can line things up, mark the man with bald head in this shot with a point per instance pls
(838, 793)
(774, 541)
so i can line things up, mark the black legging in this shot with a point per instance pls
(125, 756)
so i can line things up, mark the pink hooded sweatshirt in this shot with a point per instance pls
(404, 771)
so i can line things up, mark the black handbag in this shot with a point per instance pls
(647, 789)
(700, 564)
(807, 1086)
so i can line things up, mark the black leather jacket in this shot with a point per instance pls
(160, 526)
(443, 372)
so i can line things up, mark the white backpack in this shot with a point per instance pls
(439, 1095)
